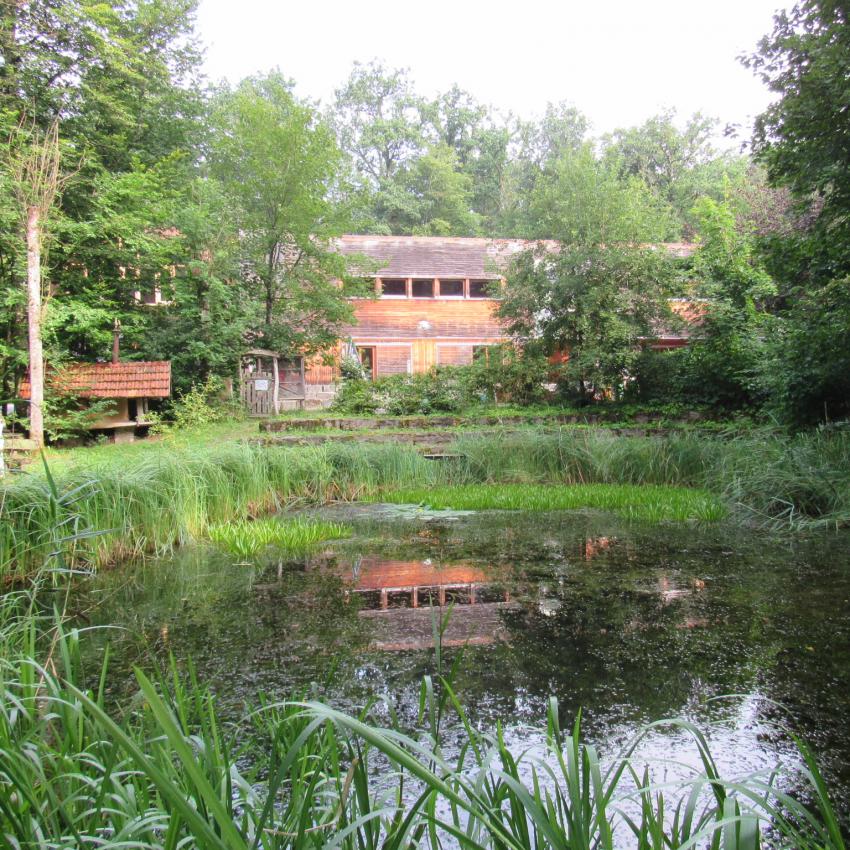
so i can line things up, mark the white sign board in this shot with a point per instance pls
(261, 385)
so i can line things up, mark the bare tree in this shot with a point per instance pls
(35, 170)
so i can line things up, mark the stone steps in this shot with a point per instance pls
(378, 423)
(17, 451)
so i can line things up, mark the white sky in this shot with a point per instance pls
(619, 61)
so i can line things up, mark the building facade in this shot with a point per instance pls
(435, 304)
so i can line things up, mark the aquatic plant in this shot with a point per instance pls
(164, 771)
(169, 494)
(650, 501)
(247, 538)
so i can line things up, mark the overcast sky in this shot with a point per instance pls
(619, 61)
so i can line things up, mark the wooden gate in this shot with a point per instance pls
(269, 383)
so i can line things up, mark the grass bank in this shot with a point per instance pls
(648, 502)
(164, 771)
(170, 492)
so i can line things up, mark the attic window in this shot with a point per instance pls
(423, 289)
(451, 289)
(479, 289)
(394, 288)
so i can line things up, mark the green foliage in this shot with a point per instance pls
(595, 303)
(277, 161)
(802, 138)
(807, 371)
(204, 404)
(248, 538)
(724, 364)
(505, 374)
(581, 200)
(646, 502)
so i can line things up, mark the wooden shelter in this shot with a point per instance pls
(129, 386)
(270, 382)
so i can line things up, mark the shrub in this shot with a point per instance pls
(204, 404)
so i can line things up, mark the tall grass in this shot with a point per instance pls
(171, 494)
(163, 771)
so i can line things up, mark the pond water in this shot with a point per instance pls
(628, 622)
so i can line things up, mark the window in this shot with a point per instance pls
(423, 289)
(394, 288)
(451, 289)
(366, 353)
(479, 289)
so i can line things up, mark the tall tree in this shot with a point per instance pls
(36, 180)
(678, 165)
(580, 199)
(803, 138)
(277, 160)
(592, 303)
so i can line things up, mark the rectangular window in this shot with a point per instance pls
(479, 289)
(451, 289)
(394, 288)
(366, 353)
(423, 289)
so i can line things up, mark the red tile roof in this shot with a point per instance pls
(142, 379)
(452, 257)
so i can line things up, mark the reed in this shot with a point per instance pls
(170, 494)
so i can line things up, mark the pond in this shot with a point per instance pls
(628, 622)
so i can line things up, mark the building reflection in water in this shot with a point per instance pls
(400, 598)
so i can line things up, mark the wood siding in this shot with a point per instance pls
(415, 334)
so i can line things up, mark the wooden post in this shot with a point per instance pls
(276, 388)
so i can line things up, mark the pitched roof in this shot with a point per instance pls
(451, 257)
(140, 379)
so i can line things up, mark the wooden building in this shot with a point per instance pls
(435, 306)
(129, 386)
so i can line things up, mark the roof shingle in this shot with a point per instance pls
(141, 379)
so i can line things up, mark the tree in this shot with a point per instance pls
(433, 197)
(580, 199)
(276, 161)
(803, 138)
(378, 118)
(678, 166)
(724, 364)
(123, 77)
(36, 181)
(592, 302)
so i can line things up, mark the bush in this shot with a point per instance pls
(657, 377)
(204, 404)
(509, 374)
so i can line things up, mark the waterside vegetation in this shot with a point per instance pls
(171, 493)
(647, 502)
(247, 538)
(167, 772)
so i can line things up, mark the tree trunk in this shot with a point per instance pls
(34, 325)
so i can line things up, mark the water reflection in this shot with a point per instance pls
(627, 623)
(400, 597)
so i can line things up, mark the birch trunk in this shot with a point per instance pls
(34, 325)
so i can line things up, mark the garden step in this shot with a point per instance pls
(380, 423)
(428, 442)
